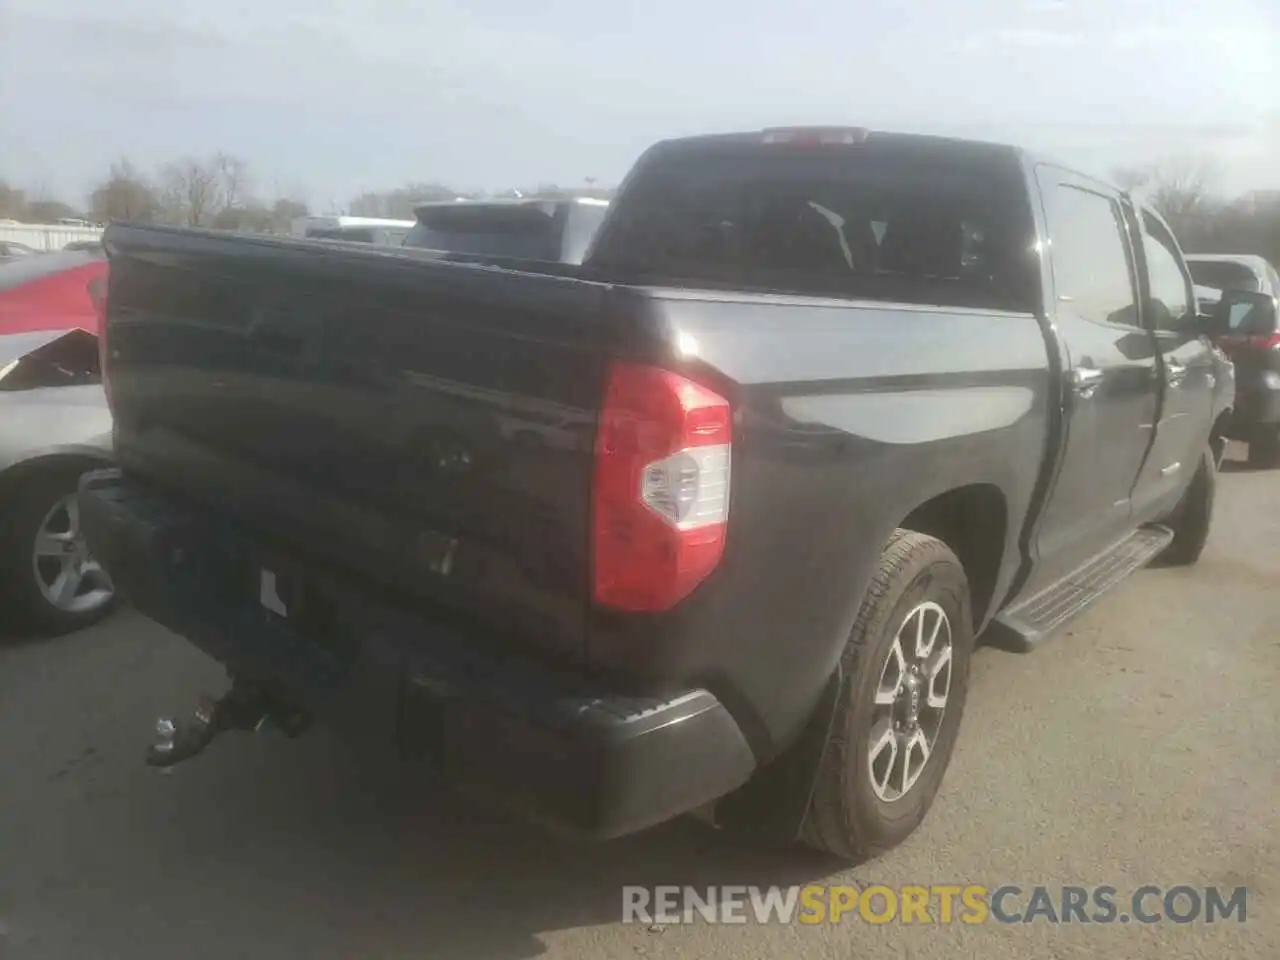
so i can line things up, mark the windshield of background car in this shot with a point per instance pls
(1224, 275)
(920, 222)
(15, 273)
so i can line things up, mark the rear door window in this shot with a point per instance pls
(925, 223)
(1092, 271)
(1172, 305)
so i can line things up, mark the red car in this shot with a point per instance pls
(52, 291)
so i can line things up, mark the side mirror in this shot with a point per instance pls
(1242, 313)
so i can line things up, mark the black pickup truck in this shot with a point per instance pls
(825, 406)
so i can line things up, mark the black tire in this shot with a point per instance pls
(1193, 518)
(24, 505)
(846, 817)
(1264, 449)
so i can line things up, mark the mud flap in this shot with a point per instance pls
(771, 807)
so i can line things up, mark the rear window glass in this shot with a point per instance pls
(14, 273)
(919, 223)
(523, 231)
(1224, 275)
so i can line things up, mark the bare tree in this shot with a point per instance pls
(49, 210)
(13, 202)
(233, 176)
(125, 195)
(284, 211)
(193, 191)
(368, 204)
(399, 203)
(1133, 178)
(1180, 188)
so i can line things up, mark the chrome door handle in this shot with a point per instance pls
(1085, 381)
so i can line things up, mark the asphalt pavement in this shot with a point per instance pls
(1141, 746)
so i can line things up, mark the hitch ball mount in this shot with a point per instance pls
(243, 707)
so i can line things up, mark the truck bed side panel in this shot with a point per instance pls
(850, 417)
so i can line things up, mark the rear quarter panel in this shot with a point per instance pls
(848, 417)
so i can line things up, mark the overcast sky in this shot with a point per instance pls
(334, 97)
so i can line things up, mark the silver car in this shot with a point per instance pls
(54, 426)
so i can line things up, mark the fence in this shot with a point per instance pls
(47, 236)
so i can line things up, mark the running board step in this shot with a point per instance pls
(1022, 627)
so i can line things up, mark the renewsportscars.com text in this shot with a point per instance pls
(937, 904)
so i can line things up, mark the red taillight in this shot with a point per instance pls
(661, 488)
(1268, 341)
(1271, 342)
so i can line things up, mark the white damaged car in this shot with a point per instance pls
(54, 426)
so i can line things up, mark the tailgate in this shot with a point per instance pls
(427, 426)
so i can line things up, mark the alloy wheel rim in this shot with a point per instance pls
(910, 702)
(69, 578)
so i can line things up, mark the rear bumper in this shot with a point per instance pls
(545, 745)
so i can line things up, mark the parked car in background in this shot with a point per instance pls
(11, 249)
(824, 404)
(1250, 338)
(1230, 271)
(52, 291)
(1252, 341)
(54, 425)
(529, 228)
(382, 232)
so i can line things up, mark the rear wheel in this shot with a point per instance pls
(1264, 449)
(906, 665)
(1194, 516)
(51, 582)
